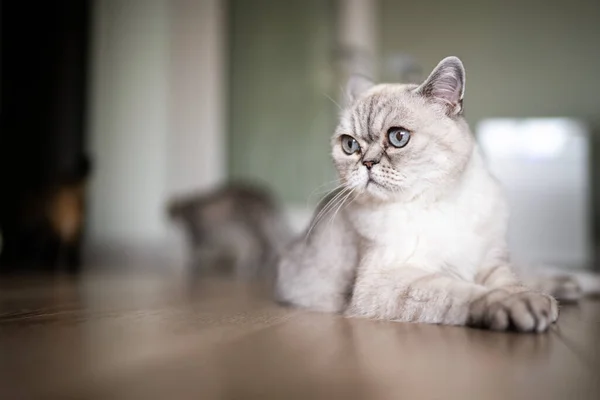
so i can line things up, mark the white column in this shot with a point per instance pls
(358, 36)
(128, 123)
(155, 123)
(197, 158)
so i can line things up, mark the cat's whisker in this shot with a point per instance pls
(327, 207)
(327, 193)
(330, 204)
(353, 199)
(345, 93)
(337, 206)
(335, 209)
(333, 101)
(323, 189)
(341, 204)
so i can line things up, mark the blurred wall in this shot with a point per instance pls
(289, 62)
(158, 88)
(523, 57)
(155, 119)
(282, 71)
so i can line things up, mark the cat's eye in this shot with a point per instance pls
(398, 137)
(349, 144)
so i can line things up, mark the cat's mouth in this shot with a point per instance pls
(373, 182)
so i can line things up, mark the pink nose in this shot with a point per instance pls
(369, 164)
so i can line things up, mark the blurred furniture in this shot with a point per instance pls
(544, 165)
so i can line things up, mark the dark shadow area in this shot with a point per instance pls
(43, 165)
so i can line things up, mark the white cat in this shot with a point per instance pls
(418, 232)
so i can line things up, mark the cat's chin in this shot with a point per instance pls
(377, 191)
(371, 190)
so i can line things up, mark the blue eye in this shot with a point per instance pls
(349, 144)
(398, 137)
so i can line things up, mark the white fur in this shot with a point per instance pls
(452, 235)
(418, 233)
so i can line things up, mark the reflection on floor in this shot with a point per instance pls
(147, 336)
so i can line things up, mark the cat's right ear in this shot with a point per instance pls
(446, 85)
(357, 85)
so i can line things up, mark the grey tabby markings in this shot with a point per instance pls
(236, 230)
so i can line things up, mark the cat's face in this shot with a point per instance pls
(398, 141)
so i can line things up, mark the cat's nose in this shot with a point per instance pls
(369, 163)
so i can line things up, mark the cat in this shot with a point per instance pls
(236, 230)
(419, 226)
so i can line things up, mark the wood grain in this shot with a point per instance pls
(151, 336)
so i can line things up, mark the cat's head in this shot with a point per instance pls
(399, 141)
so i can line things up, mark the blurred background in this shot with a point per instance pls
(110, 108)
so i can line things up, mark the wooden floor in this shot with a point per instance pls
(151, 337)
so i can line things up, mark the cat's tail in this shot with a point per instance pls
(564, 285)
(589, 282)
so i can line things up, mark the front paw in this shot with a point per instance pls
(523, 311)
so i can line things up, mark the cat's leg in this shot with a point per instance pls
(317, 270)
(413, 295)
(511, 304)
(417, 295)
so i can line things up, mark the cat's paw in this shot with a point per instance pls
(523, 311)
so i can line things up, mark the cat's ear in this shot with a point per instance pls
(357, 85)
(446, 85)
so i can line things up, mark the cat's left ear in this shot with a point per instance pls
(357, 85)
(446, 85)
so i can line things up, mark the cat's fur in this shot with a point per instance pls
(234, 230)
(420, 236)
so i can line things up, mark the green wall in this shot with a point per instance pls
(523, 57)
(281, 72)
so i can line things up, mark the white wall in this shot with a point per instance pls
(197, 156)
(155, 122)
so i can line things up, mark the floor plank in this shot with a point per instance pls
(579, 329)
(152, 337)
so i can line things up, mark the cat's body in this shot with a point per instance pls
(420, 229)
(235, 230)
